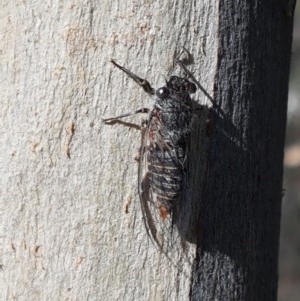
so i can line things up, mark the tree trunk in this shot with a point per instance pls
(71, 223)
(237, 254)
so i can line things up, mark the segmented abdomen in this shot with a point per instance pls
(165, 159)
(166, 176)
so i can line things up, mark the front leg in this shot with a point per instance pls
(143, 110)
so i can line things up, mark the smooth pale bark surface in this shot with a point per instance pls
(70, 220)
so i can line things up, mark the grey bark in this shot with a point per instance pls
(70, 221)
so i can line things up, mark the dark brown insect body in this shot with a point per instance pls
(168, 129)
(164, 150)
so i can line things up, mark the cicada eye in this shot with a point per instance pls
(192, 88)
(162, 93)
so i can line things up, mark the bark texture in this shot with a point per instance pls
(70, 220)
(240, 216)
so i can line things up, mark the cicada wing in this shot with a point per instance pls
(145, 193)
(157, 216)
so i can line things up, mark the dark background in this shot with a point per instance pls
(289, 258)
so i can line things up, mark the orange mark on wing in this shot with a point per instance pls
(163, 212)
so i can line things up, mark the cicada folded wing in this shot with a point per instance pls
(160, 179)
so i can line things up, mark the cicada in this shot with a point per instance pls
(163, 154)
